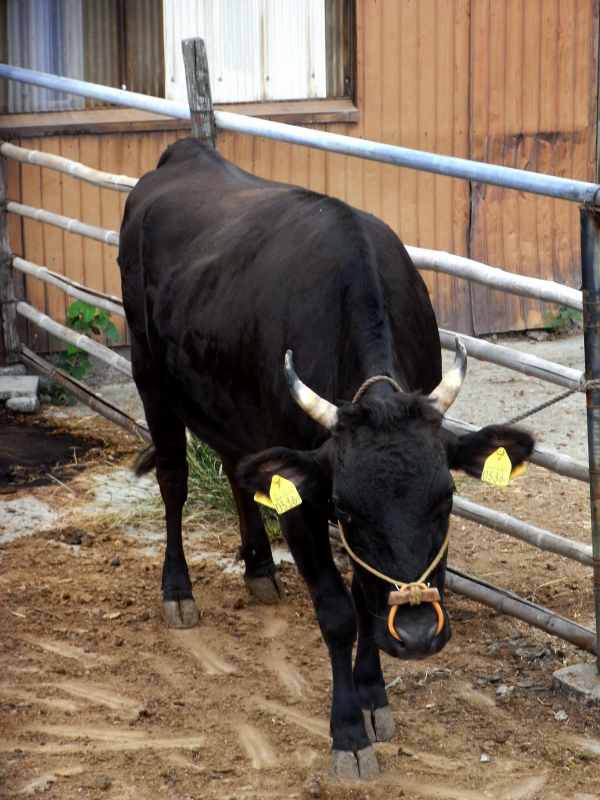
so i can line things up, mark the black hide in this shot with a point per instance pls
(222, 272)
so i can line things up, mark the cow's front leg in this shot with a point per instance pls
(352, 753)
(368, 677)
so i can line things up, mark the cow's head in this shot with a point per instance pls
(386, 472)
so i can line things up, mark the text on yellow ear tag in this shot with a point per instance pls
(263, 499)
(284, 494)
(497, 468)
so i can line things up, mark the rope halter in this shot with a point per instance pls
(413, 593)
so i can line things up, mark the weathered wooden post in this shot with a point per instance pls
(10, 347)
(198, 88)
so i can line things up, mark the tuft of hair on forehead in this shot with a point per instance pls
(388, 413)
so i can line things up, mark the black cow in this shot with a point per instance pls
(223, 272)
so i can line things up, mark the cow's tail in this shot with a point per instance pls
(145, 461)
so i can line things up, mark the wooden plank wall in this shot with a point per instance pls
(534, 106)
(511, 82)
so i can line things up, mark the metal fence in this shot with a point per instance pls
(581, 192)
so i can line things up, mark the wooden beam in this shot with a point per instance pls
(198, 88)
(85, 394)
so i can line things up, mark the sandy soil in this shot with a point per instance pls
(99, 700)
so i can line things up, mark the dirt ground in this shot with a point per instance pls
(99, 700)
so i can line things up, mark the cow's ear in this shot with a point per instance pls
(308, 470)
(470, 452)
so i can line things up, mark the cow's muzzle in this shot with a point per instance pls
(414, 632)
(414, 594)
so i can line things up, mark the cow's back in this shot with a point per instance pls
(222, 271)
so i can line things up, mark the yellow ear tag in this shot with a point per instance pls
(283, 494)
(518, 471)
(497, 468)
(263, 499)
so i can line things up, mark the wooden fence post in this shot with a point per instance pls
(10, 347)
(198, 88)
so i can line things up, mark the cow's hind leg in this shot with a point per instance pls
(261, 576)
(368, 677)
(168, 435)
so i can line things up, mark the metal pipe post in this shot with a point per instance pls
(9, 336)
(590, 272)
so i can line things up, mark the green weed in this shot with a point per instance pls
(208, 486)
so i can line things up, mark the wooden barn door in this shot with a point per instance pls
(534, 66)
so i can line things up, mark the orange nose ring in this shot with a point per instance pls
(414, 593)
(392, 616)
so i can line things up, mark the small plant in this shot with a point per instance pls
(207, 483)
(564, 321)
(88, 320)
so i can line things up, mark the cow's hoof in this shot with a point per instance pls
(379, 724)
(347, 765)
(181, 613)
(266, 589)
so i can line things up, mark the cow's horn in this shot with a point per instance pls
(319, 409)
(447, 391)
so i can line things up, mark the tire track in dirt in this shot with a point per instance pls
(49, 702)
(102, 738)
(195, 643)
(104, 695)
(85, 657)
(480, 700)
(169, 671)
(317, 727)
(517, 789)
(290, 677)
(43, 782)
(273, 623)
(256, 746)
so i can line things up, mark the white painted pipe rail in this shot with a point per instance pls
(514, 359)
(106, 180)
(531, 534)
(54, 279)
(78, 339)
(564, 188)
(495, 278)
(66, 223)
